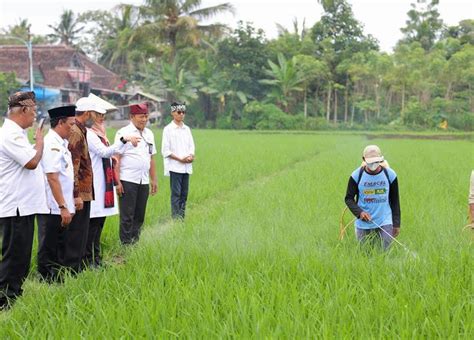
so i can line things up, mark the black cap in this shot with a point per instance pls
(62, 112)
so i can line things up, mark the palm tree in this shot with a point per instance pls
(117, 46)
(179, 21)
(285, 78)
(171, 79)
(220, 86)
(122, 45)
(216, 87)
(67, 29)
(20, 30)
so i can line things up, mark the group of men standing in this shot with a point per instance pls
(70, 180)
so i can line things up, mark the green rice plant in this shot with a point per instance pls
(258, 255)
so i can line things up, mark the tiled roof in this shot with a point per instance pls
(56, 64)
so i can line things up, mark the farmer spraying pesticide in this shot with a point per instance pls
(372, 196)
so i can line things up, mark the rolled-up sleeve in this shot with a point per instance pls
(165, 144)
(191, 143)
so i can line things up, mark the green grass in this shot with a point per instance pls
(258, 255)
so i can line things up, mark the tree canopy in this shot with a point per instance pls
(332, 72)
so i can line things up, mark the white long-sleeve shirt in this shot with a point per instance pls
(97, 151)
(177, 140)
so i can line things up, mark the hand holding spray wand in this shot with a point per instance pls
(394, 239)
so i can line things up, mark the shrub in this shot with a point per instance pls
(255, 112)
(462, 121)
(224, 122)
(315, 123)
(415, 114)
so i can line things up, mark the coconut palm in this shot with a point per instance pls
(66, 31)
(122, 45)
(180, 21)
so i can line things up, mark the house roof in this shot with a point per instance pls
(57, 66)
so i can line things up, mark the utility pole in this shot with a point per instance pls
(29, 45)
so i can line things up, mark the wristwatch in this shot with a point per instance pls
(123, 140)
(62, 206)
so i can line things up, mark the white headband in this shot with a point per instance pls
(179, 107)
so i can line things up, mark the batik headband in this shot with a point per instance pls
(22, 99)
(178, 107)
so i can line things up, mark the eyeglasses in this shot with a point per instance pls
(181, 112)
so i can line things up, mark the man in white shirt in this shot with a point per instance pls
(22, 193)
(178, 153)
(136, 174)
(59, 176)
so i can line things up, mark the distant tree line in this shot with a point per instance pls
(331, 74)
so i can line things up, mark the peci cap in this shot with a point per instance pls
(87, 104)
(20, 99)
(136, 109)
(62, 112)
(372, 154)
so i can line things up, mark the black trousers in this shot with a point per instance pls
(93, 257)
(179, 184)
(75, 239)
(132, 206)
(17, 242)
(50, 246)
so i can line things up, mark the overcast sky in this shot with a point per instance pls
(381, 18)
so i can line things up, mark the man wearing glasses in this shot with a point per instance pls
(372, 196)
(178, 152)
(23, 193)
(136, 174)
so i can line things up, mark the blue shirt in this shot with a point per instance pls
(373, 197)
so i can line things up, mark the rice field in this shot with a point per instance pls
(258, 255)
